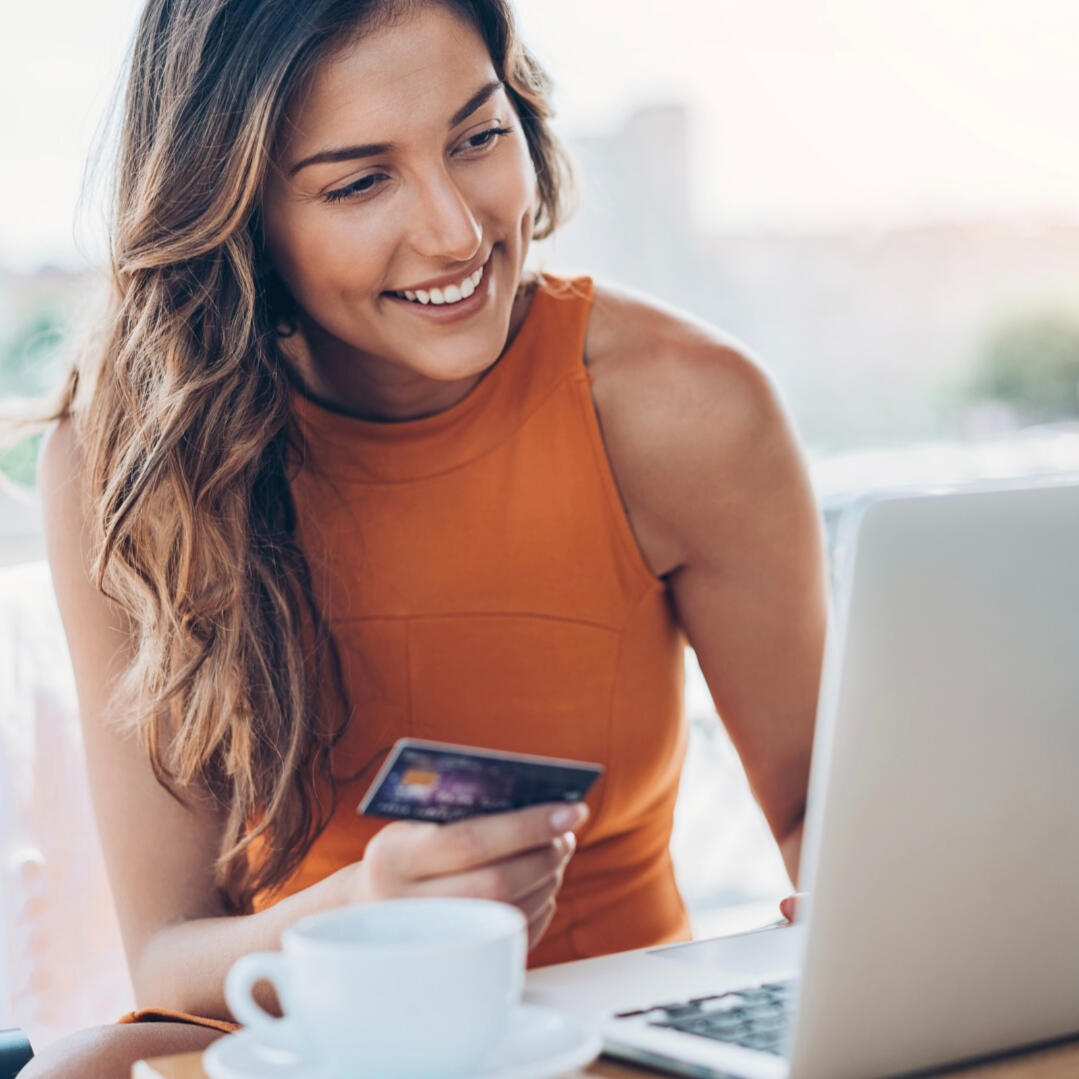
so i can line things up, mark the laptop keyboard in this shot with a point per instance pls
(756, 1018)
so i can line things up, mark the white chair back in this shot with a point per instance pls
(61, 958)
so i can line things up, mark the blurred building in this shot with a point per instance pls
(870, 334)
(634, 224)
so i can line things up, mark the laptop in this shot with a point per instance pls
(941, 849)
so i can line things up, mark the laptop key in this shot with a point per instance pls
(678, 1011)
(722, 1005)
(727, 1023)
(767, 1026)
(779, 1012)
(766, 1004)
(764, 1045)
(698, 1026)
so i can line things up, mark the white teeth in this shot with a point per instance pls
(449, 294)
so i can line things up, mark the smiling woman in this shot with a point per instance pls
(341, 470)
(355, 219)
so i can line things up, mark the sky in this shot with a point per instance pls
(806, 114)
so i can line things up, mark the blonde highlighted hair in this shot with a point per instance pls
(182, 410)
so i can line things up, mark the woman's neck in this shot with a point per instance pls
(378, 390)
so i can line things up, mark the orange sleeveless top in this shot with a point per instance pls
(483, 585)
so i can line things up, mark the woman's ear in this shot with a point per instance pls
(281, 308)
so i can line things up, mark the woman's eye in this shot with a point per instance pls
(480, 141)
(483, 139)
(357, 187)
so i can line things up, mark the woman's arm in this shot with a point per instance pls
(751, 590)
(712, 476)
(179, 940)
(159, 855)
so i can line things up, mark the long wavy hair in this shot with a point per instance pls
(182, 409)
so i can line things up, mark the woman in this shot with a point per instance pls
(343, 471)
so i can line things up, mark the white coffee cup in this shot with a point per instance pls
(400, 989)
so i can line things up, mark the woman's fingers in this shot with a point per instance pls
(532, 902)
(437, 850)
(502, 856)
(789, 907)
(538, 923)
(508, 880)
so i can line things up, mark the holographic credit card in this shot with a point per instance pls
(441, 782)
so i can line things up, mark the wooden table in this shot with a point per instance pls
(1057, 1062)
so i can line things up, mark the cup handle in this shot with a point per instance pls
(239, 985)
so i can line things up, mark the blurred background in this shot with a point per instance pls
(879, 198)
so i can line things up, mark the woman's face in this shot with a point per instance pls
(392, 176)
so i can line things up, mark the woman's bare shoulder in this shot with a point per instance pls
(60, 486)
(680, 403)
(61, 457)
(646, 343)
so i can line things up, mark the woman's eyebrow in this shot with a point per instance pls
(350, 153)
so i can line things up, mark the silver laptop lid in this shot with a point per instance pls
(940, 850)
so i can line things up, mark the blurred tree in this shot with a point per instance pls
(30, 358)
(1031, 363)
(30, 365)
(18, 462)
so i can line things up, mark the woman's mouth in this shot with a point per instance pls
(449, 295)
(458, 300)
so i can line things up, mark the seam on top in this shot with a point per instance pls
(580, 386)
(356, 475)
(601, 802)
(622, 528)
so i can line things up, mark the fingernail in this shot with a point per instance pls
(567, 817)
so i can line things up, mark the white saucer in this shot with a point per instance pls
(542, 1043)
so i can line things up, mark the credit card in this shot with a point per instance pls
(442, 782)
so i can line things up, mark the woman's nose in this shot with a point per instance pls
(444, 227)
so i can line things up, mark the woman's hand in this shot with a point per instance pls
(516, 857)
(789, 907)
